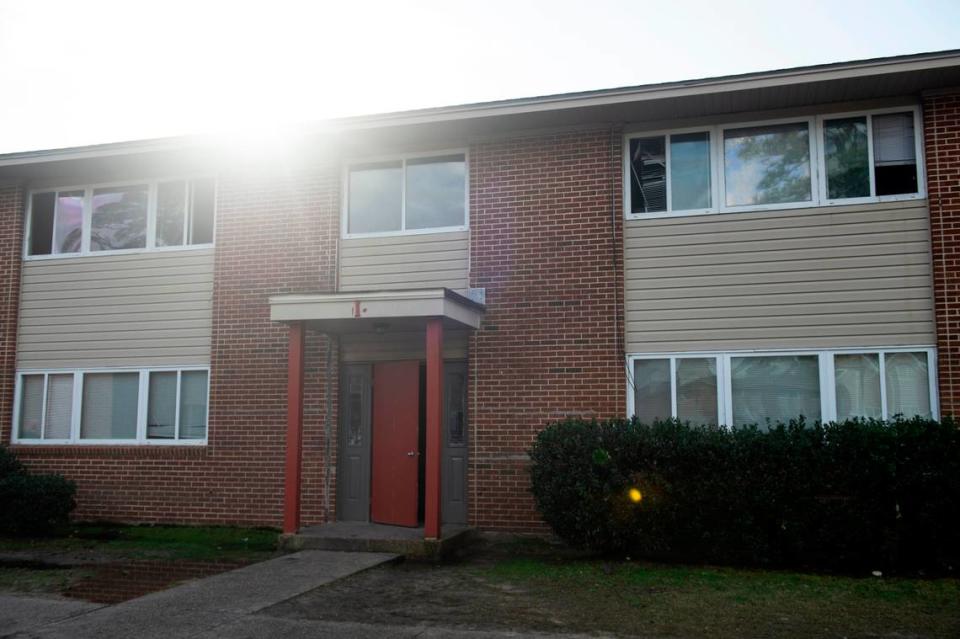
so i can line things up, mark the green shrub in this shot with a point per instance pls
(32, 504)
(9, 464)
(861, 494)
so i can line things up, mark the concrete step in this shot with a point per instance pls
(379, 538)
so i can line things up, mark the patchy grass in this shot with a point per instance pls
(39, 580)
(170, 542)
(640, 598)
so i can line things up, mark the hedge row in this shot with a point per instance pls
(861, 494)
(32, 504)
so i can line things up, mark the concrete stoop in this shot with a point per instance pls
(369, 537)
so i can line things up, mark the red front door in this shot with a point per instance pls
(396, 418)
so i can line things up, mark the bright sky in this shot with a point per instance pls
(90, 71)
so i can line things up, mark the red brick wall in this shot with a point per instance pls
(546, 224)
(275, 234)
(11, 252)
(941, 132)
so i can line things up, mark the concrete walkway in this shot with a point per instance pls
(217, 606)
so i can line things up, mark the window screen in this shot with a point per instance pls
(775, 388)
(894, 154)
(110, 403)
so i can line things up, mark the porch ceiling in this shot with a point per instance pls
(376, 311)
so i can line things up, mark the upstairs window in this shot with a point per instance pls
(814, 161)
(871, 156)
(126, 217)
(670, 173)
(413, 194)
(767, 165)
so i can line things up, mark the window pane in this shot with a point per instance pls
(355, 410)
(690, 171)
(767, 164)
(775, 388)
(857, 385)
(68, 228)
(193, 404)
(436, 192)
(171, 207)
(109, 406)
(59, 406)
(847, 157)
(908, 389)
(374, 198)
(162, 405)
(894, 154)
(31, 407)
(119, 218)
(651, 381)
(648, 175)
(455, 411)
(202, 206)
(41, 223)
(697, 390)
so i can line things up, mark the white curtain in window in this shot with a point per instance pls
(893, 139)
(193, 404)
(857, 385)
(772, 389)
(59, 406)
(109, 406)
(651, 379)
(162, 405)
(697, 390)
(908, 390)
(31, 406)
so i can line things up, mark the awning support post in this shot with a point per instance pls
(291, 499)
(434, 415)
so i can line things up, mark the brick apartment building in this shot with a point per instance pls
(370, 321)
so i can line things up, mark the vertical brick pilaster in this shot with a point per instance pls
(11, 250)
(941, 133)
(546, 243)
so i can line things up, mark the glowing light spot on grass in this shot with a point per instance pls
(635, 495)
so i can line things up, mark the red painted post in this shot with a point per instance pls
(291, 499)
(434, 410)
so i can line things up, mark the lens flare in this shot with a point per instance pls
(635, 495)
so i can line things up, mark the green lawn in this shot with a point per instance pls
(171, 542)
(660, 600)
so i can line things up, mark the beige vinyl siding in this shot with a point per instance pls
(428, 260)
(145, 309)
(857, 275)
(367, 347)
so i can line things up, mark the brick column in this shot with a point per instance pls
(11, 249)
(941, 133)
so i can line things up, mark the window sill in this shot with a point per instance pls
(139, 251)
(430, 231)
(916, 197)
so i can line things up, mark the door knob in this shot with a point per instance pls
(412, 453)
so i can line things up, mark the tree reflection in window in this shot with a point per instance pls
(119, 219)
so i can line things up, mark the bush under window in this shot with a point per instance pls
(32, 504)
(861, 494)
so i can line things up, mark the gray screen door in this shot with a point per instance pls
(353, 465)
(454, 484)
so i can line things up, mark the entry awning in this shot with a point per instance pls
(363, 311)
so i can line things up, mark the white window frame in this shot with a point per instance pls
(403, 158)
(828, 401)
(87, 222)
(666, 134)
(818, 189)
(77, 411)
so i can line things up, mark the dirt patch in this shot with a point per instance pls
(525, 589)
(98, 581)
